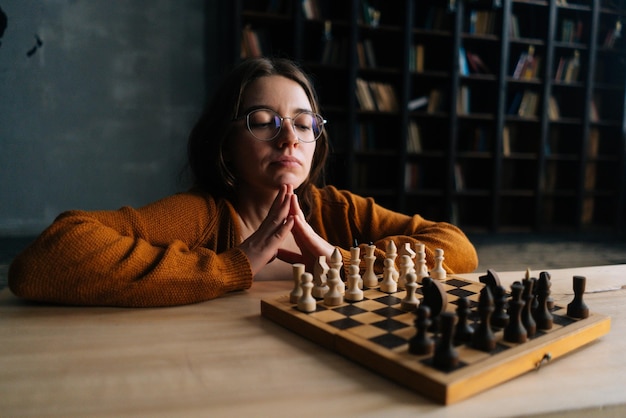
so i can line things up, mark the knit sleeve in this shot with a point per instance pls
(345, 217)
(161, 255)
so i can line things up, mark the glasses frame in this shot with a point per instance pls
(282, 121)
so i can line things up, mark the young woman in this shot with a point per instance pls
(257, 155)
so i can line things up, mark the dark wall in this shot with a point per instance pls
(97, 98)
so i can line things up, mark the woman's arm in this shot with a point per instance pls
(343, 218)
(160, 255)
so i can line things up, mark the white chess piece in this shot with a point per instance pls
(306, 302)
(421, 267)
(355, 260)
(406, 267)
(388, 284)
(369, 276)
(295, 294)
(334, 296)
(353, 292)
(336, 262)
(410, 301)
(320, 271)
(391, 252)
(438, 271)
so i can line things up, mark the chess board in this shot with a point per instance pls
(375, 333)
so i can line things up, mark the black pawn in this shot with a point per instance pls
(515, 331)
(543, 316)
(446, 357)
(577, 307)
(483, 338)
(421, 343)
(464, 330)
(528, 296)
(549, 300)
(500, 318)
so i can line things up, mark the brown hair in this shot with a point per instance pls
(205, 148)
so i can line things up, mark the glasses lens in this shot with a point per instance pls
(308, 126)
(264, 124)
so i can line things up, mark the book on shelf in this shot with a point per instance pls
(417, 103)
(459, 181)
(370, 55)
(527, 66)
(416, 58)
(553, 109)
(435, 101)
(612, 35)
(594, 143)
(311, 9)
(506, 141)
(568, 68)
(594, 114)
(335, 51)
(476, 64)
(435, 18)
(463, 101)
(414, 143)
(482, 22)
(463, 65)
(571, 31)
(251, 44)
(529, 104)
(412, 176)
(374, 95)
(514, 27)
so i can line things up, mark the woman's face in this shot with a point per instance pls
(266, 165)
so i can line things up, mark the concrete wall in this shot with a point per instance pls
(97, 98)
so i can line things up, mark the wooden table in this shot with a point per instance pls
(221, 358)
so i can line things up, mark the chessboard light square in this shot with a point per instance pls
(327, 316)
(367, 331)
(407, 318)
(407, 333)
(368, 317)
(370, 305)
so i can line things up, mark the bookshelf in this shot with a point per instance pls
(496, 115)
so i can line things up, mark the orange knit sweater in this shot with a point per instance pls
(183, 249)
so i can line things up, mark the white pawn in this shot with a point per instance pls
(355, 260)
(298, 270)
(336, 262)
(369, 277)
(406, 267)
(353, 292)
(410, 301)
(421, 268)
(334, 296)
(391, 252)
(306, 302)
(320, 271)
(438, 271)
(389, 285)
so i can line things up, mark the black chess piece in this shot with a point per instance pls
(499, 318)
(436, 298)
(421, 343)
(528, 296)
(491, 280)
(543, 316)
(549, 300)
(464, 330)
(446, 357)
(483, 338)
(515, 331)
(577, 308)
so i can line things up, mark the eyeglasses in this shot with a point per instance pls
(265, 124)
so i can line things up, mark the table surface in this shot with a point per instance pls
(222, 358)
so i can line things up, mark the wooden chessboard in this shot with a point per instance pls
(375, 332)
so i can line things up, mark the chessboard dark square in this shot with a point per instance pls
(457, 283)
(389, 341)
(461, 293)
(389, 325)
(562, 320)
(349, 310)
(388, 312)
(388, 300)
(345, 323)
